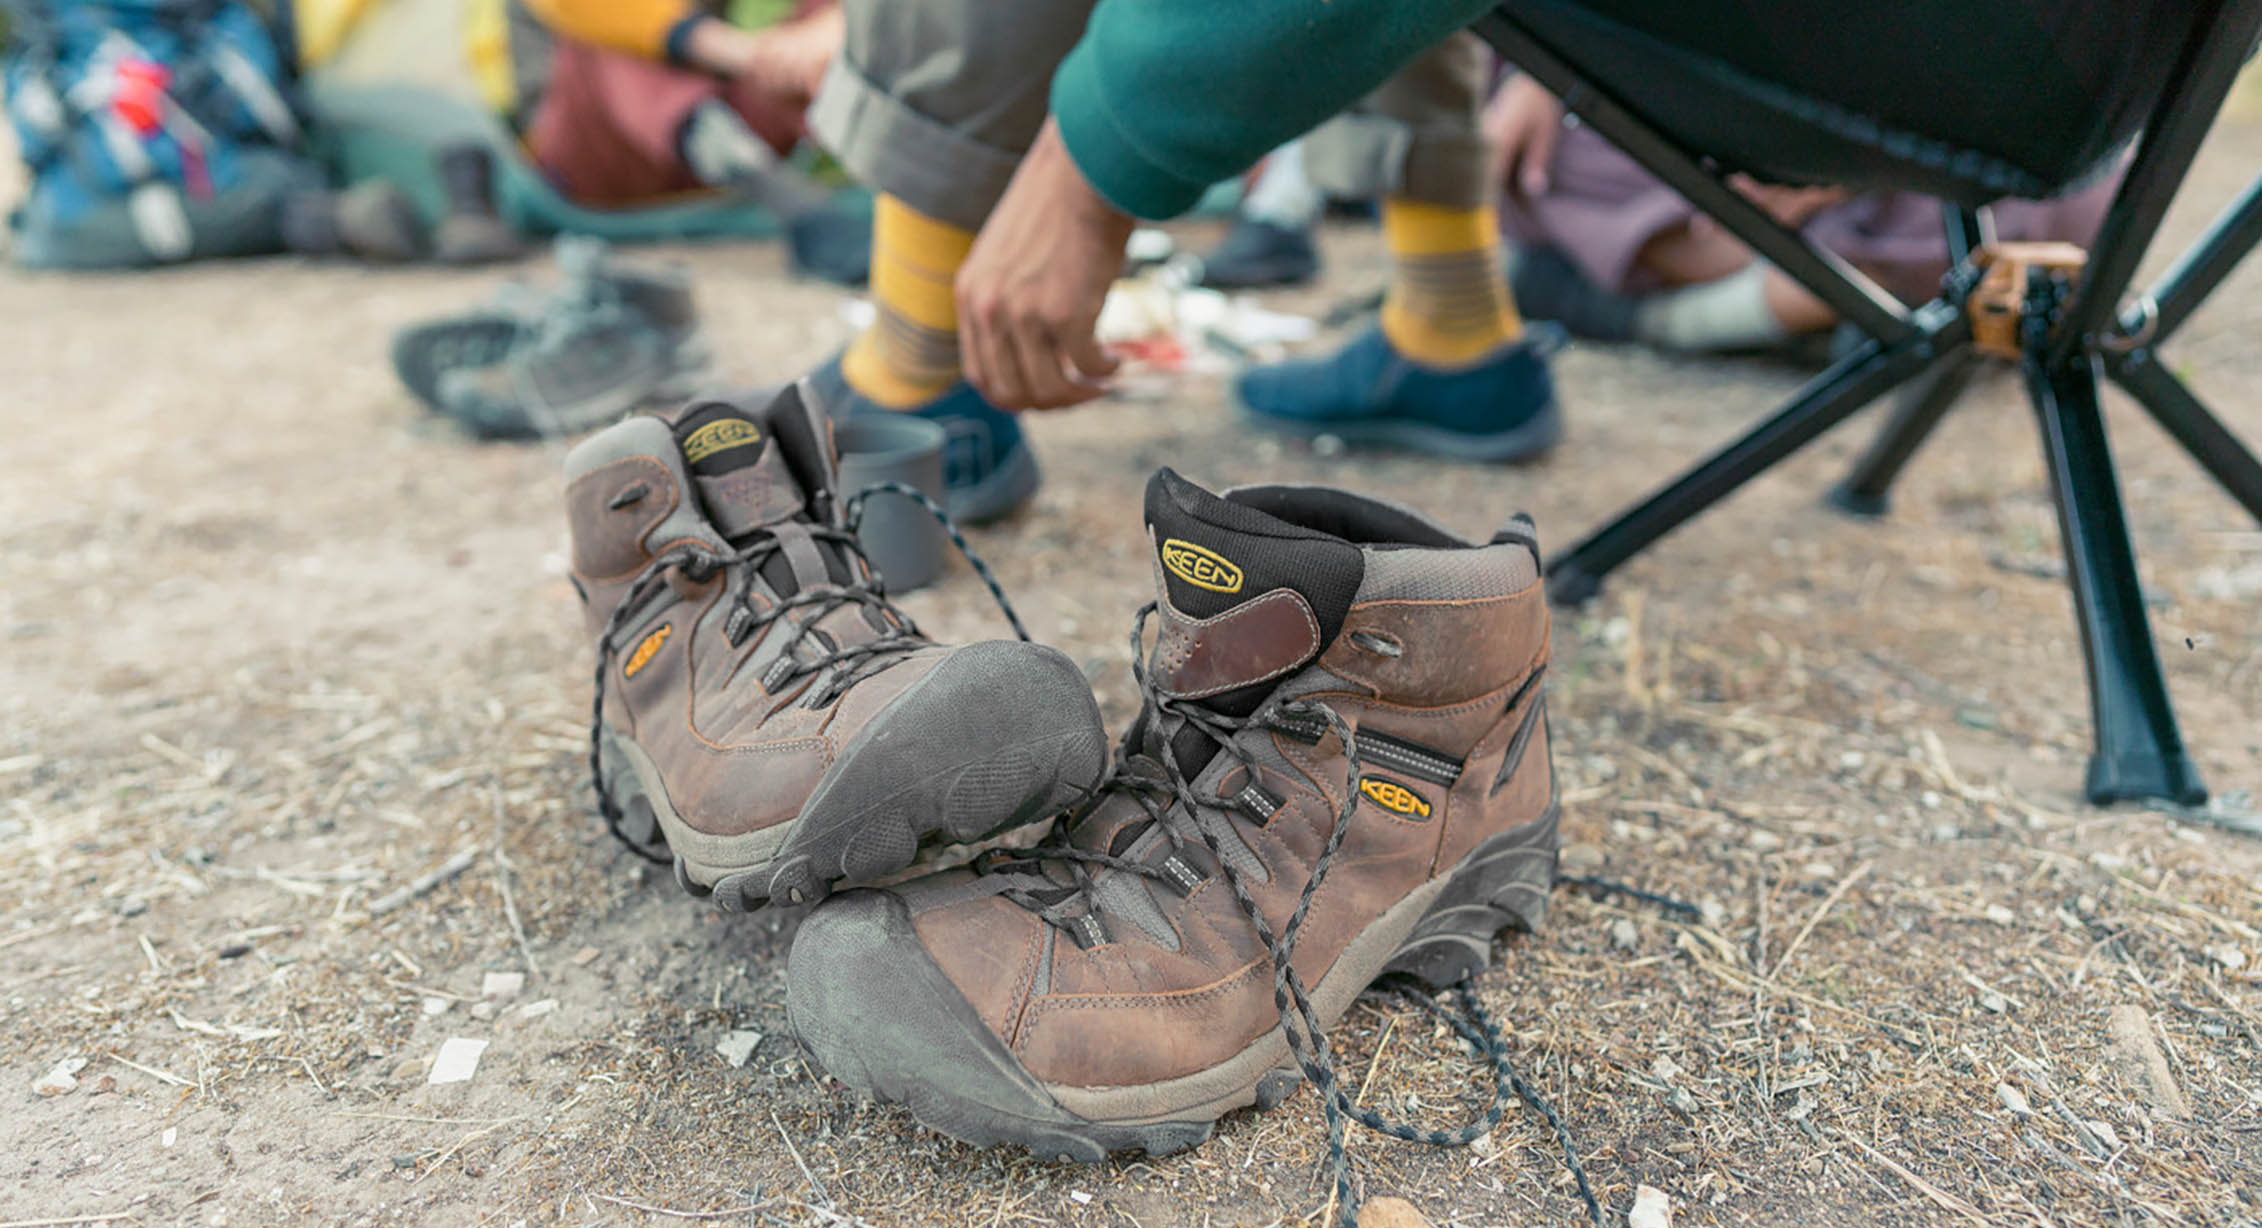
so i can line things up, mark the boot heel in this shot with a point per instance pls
(1503, 883)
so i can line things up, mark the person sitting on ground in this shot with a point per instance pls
(1615, 255)
(657, 97)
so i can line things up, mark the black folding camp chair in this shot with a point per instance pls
(1970, 103)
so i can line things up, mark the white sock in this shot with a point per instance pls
(1282, 194)
(1728, 314)
(720, 149)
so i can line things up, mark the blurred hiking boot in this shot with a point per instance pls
(1340, 771)
(1502, 408)
(989, 470)
(1546, 285)
(610, 338)
(766, 719)
(373, 220)
(472, 230)
(1257, 255)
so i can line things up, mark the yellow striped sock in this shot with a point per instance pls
(909, 354)
(1448, 304)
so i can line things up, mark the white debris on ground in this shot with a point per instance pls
(502, 986)
(62, 1079)
(738, 1046)
(1652, 1209)
(458, 1060)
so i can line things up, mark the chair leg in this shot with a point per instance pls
(1867, 489)
(1827, 400)
(2139, 752)
(2173, 405)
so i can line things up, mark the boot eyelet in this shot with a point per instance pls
(1377, 643)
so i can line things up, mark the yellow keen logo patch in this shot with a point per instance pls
(1394, 797)
(1200, 567)
(721, 435)
(646, 650)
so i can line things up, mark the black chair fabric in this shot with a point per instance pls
(1971, 102)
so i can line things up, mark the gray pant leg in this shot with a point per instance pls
(934, 101)
(1416, 136)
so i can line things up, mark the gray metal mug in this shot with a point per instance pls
(901, 538)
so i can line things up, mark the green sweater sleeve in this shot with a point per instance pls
(1163, 98)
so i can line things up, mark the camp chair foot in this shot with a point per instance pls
(1571, 585)
(2144, 777)
(2139, 751)
(1866, 491)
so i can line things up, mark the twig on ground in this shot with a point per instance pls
(1935, 1193)
(645, 1206)
(798, 1162)
(448, 869)
(461, 1143)
(503, 871)
(68, 1219)
(1815, 917)
(161, 1076)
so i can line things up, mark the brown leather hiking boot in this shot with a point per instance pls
(1125, 983)
(765, 718)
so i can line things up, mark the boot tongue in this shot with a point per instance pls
(744, 482)
(1249, 599)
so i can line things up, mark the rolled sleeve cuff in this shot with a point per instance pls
(1108, 155)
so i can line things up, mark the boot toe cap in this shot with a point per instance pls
(876, 1011)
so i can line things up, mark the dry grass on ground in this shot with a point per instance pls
(275, 646)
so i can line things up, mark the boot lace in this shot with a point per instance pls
(1164, 791)
(850, 664)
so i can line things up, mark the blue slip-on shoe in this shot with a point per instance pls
(1502, 408)
(988, 468)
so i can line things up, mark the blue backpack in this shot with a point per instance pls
(140, 120)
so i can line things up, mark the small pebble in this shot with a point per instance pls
(1581, 858)
(499, 986)
(483, 1010)
(436, 1006)
(2001, 915)
(586, 954)
(1993, 1003)
(1682, 1102)
(1623, 935)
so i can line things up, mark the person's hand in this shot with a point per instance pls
(1523, 122)
(790, 59)
(1030, 292)
(1792, 206)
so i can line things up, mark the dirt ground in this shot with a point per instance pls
(276, 644)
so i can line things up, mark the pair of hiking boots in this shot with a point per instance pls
(1340, 772)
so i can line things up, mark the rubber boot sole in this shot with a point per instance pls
(911, 778)
(423, 352)
(925, 1047)
(1528, 441)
